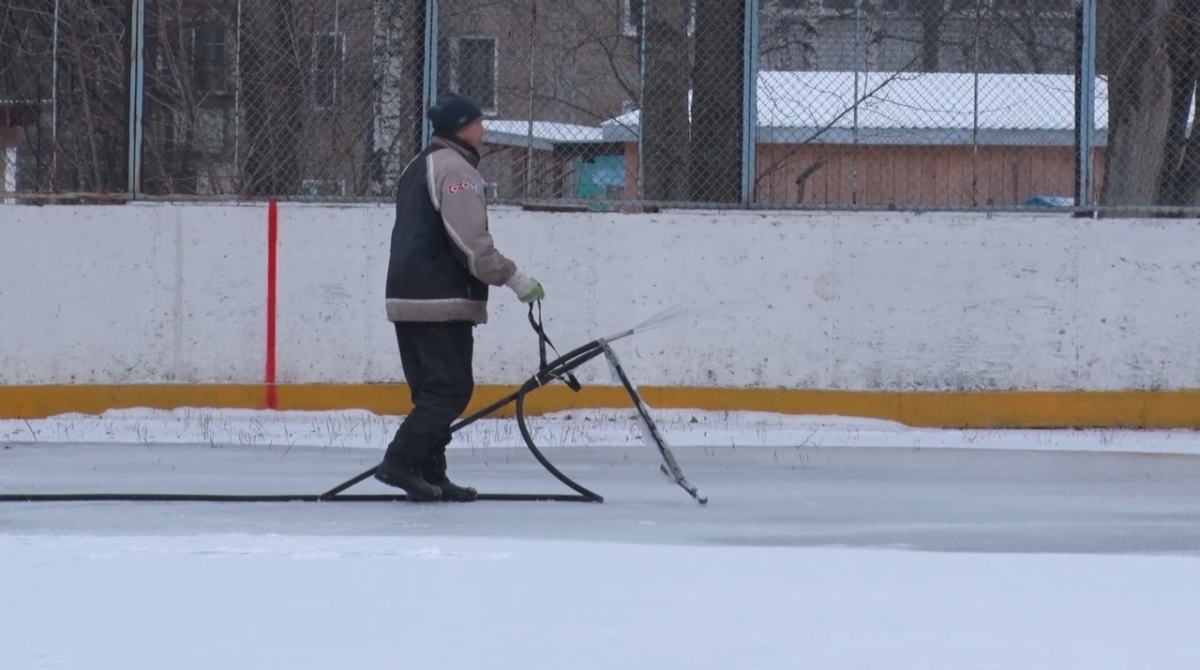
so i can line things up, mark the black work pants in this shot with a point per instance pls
(437, 361)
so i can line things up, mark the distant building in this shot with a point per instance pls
(915, 139)
(324, 101)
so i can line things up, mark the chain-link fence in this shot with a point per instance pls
(547, 74)
(913, 103)
(621, 104)
(271, 98)
(64, 97)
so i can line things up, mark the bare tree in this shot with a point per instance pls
(1148, 50)
(1181, 181)
(717, 84)
(188, 97)
(666, 148)
(25, 62)
(86, 116)
(584, 62)
(272, 77)
(397, 87)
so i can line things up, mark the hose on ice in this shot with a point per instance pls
(559, 369)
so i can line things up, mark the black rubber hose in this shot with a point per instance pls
(529, 386)
(571, 360)
(200, 497)
(560, 366)
(367, 474)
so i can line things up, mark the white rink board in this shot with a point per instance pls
(132, 294)
(162, 293)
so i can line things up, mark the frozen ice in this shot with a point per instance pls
(830, 556)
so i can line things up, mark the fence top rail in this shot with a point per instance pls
(610, 207)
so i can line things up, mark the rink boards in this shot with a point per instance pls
(928, 319)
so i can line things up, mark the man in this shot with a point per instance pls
(442, 263)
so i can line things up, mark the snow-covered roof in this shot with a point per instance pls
(545, 133)
(910, 108)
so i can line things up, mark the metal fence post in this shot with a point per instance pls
(860, 72)
(641, 104)
(1087, 106)
(527, 182)
(750, 102)
(430, 92)
(137, 71)
(54, 96)
(975, 106)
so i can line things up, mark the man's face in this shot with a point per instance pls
(473, 134)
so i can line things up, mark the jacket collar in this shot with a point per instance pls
(465, 150)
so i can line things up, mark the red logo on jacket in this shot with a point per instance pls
(461, 186)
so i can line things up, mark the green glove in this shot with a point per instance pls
(527, 288)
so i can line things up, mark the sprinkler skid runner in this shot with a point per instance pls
(560, 369)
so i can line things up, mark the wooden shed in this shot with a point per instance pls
(908, 139)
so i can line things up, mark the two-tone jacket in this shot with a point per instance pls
(442, 256)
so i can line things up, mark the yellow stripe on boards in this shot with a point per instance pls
(1016, 409)
(37, 402)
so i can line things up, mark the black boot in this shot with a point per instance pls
(453, 492)
(434, 472)
(410, 480)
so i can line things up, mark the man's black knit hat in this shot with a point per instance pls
(452, 113)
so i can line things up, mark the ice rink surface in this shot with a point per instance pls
(929, 499)
(804, 557)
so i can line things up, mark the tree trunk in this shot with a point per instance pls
(1132, 52)
(664, 118)
(1182, 167)
(399, 50)
(1187, 190)
(716, 147)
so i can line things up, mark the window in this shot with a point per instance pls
(215, 130)
(631, 17)
(473, 70)
(209, 62)
(328, 56)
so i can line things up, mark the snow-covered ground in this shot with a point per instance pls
(255, 602)
(1017, 550)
